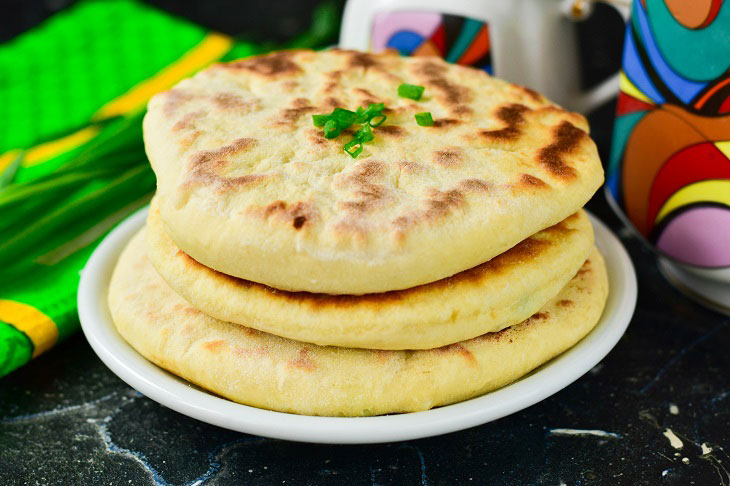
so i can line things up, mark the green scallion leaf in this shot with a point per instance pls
(331, 129)
(424, 119)
(320, 120)
(411, 91)
(354, 148)
(344, 118)
(374, 109)
(376, 120)
(365, 134)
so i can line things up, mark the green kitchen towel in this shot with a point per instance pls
(72, 161)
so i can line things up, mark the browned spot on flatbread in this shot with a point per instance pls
(330, 103)
(527, 180)
(450, 157)
(298, 108)
(187, 121)
(567, 138)
(298, 214)
(191, 311)
(511, 115)
(457, 348)
(360, 59)
(367, 96)
(585, 269)
(391, 131)
(451, 94)
(303, 361)
(409, 167)
(175, 98)
(228, 101)
(214, 346)
(445, 122)
(565, 303)
(208, 164)
(475, 185)
(429, 69)
(563, 227)
(362, 180)
(437, 205)
(270, 65)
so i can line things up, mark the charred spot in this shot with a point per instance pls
(269, 65)
(228, 101)
(511, 115)
(390, 130)
(208, 163)
(539, 316)
(567, 138)
(361, 60)
(299, 222)
(298, 214)
(457, 348)
(565, 303)
(453, 94)
(445, 122)
(429, 69)
(187, 122)
(449, 157)
(475, 185)
(531, 181)
(330, 103)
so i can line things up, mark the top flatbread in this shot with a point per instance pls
(249, 187)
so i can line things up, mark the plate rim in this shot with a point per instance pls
(176, 394)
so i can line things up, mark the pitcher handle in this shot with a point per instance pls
(594, 97)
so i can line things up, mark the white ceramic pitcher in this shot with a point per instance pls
(531, 42)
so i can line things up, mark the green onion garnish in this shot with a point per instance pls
(411, 91)
(331, 130)
(341, 119)
(424, 119)
(376, 120)
(365, 134)
(373, 110)
(320, 120)
(344, 118)
(354, 147)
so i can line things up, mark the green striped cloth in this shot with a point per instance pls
(72, 162)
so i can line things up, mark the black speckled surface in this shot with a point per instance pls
(66, 419)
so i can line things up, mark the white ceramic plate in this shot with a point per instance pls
(190, 400)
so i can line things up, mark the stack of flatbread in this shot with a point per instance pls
(442, 262)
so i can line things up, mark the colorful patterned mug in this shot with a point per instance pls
(531, 42)
(669, 171)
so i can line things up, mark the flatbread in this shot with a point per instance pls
(249, 187)
(487, 298)
(266, 371)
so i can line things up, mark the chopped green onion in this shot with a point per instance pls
(354, 148)
(374, 109)
(377, 120)
(320, 120)
(344, 118)
(365, 134)
(411, 91)
(424, 119)
(331, 130)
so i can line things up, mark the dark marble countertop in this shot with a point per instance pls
(656, 410)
